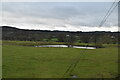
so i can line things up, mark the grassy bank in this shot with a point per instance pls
(36, 43)
(35, 62)
(28, 43)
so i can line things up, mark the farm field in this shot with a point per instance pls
(38, 62)
(60, 40)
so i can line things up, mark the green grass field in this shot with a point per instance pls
(36, 62)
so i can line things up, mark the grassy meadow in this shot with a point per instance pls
(38, 62)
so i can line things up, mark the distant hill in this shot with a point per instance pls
(12, 33)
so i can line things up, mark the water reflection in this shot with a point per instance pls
(66, 46)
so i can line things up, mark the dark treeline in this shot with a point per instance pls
(11, 33)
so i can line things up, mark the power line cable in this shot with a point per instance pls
(108, 13)
(72, 66)
(77, 60)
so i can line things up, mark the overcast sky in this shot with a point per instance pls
(67, 16)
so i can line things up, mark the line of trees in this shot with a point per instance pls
(10, 33)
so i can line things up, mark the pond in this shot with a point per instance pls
(82, 47)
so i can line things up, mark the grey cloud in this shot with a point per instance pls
(59, 14)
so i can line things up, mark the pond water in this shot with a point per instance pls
(66, 46)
